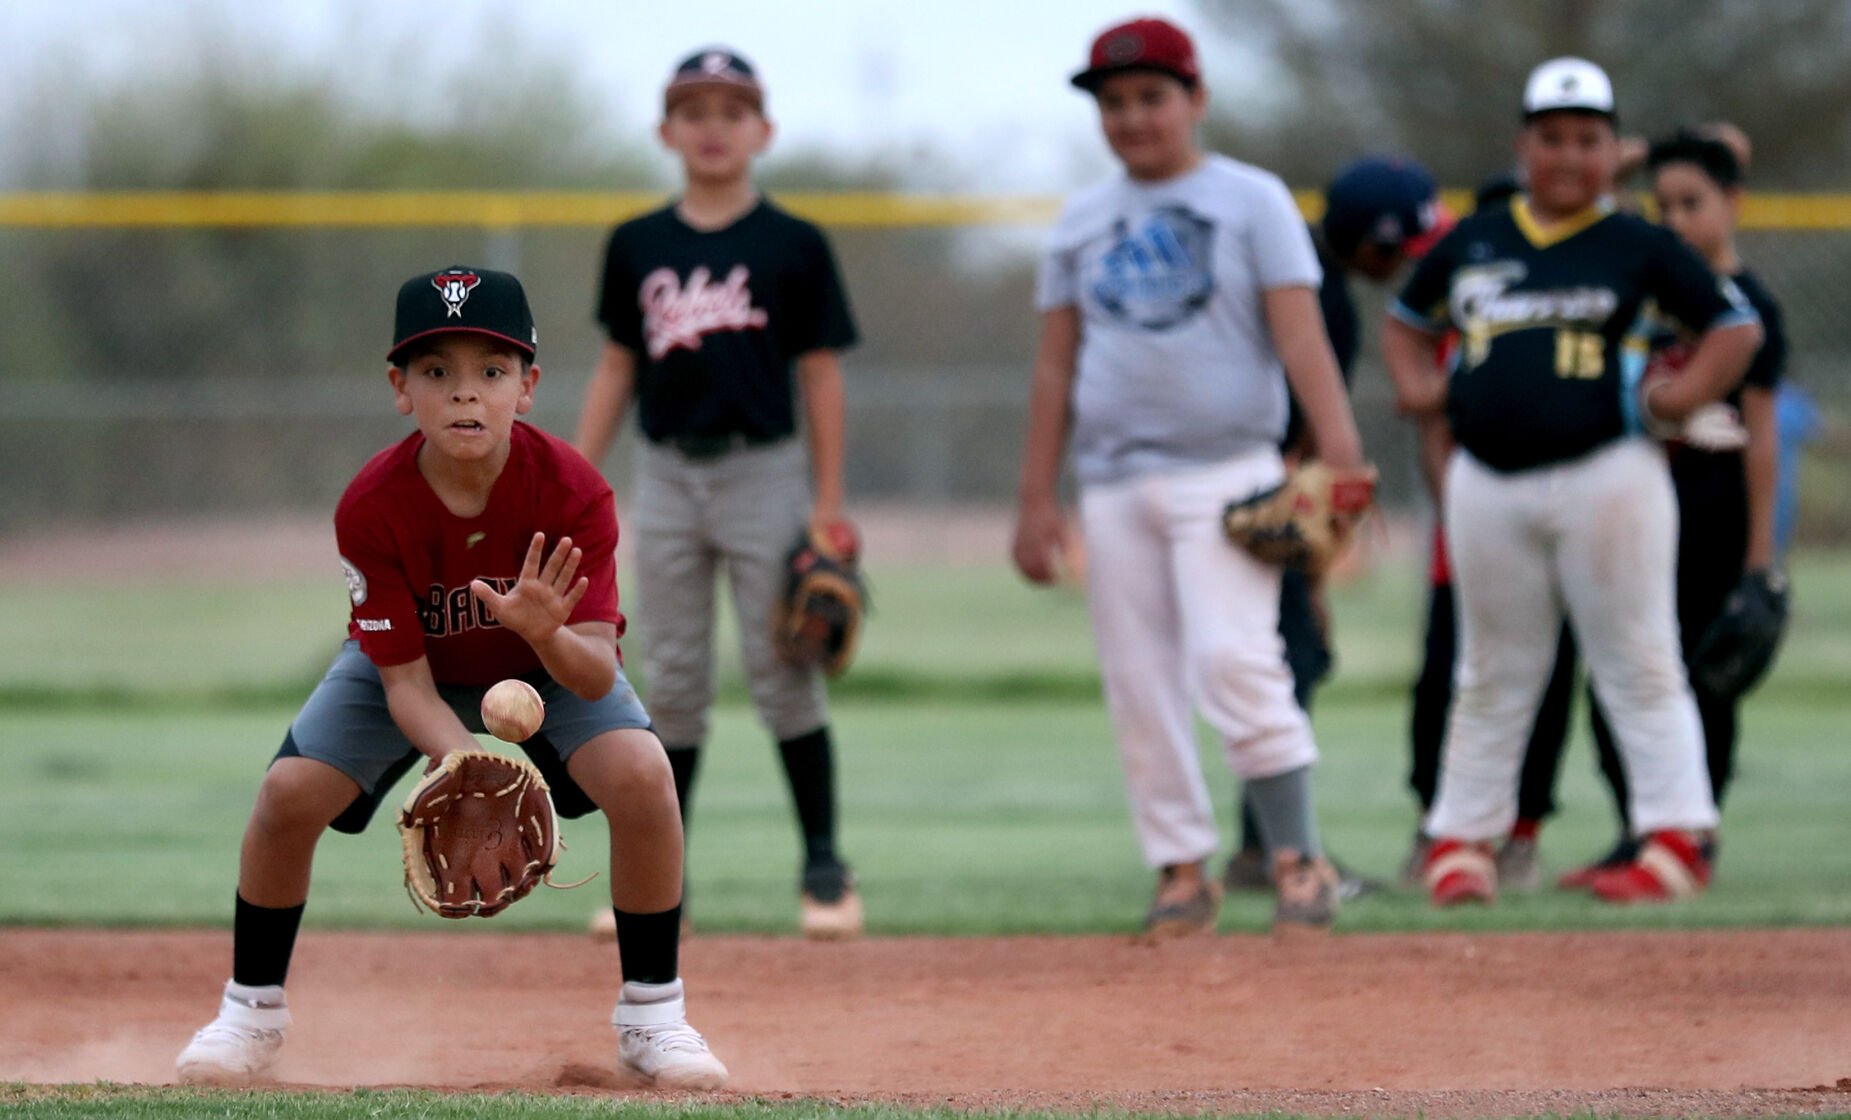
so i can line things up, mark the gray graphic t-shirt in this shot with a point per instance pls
(1176, 364)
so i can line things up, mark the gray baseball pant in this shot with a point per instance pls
(739, 512)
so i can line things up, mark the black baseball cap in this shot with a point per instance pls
(714, 68)
(473, 300)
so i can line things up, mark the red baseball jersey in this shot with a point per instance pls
(409, 560)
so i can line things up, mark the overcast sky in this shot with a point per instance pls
(983, 79)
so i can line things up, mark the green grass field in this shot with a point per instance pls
(981, 792)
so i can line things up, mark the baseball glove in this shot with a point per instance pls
(479, 833)
(1306, 521)
(819, 617)
(1738, 646)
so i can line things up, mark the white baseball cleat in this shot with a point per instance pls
(241, 1044)
(655, 1042)
(830, 905)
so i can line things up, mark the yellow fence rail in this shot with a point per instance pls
(518, 209)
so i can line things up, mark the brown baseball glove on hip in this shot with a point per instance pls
(819, 618)
(1306, 521)
(479, 834)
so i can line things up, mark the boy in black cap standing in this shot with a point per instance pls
(724, 313)
(476, 549)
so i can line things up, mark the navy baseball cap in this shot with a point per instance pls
(1140, 44)
(1379, 199)
(473, 300)
(714, 68)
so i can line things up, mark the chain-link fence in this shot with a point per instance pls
(212, 370)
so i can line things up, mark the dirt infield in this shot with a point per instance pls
(1707, 1023)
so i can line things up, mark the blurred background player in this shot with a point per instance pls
(723, 313)
(1519, 864)
(1725, 476)
(444, 539)
(1379, 213)
(1178, 298)
(1552, 506)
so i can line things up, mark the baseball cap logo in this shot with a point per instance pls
(1570, 83)
(454, 288)
(716, 62)
(1124, 48)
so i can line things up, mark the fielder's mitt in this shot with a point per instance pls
(819, 618)
(1305, 522)
(1738, 647)
(479, 833)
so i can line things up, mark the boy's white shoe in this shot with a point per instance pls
(655, 1042)
(241, 1044)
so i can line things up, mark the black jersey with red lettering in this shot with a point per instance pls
(1543, 317)
(716, 318)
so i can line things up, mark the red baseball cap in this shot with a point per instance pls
(1141, 44)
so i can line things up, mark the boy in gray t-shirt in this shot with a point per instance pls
(1179, 301)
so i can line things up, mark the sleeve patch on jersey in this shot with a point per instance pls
(356, 583)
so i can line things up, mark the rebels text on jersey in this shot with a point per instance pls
(716, 317)
(409, 560)
(1542, 317)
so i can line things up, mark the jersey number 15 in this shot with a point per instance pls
(1580, 355)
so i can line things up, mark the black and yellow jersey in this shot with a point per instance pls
(1542, 318)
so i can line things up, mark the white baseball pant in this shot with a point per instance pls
(1596, 537)
(1182, 616)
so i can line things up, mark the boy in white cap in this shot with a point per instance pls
(1556, 501)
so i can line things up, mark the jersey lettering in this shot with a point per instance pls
(1482, 296)
(452, 610)
(676, 317)
(1484, 307)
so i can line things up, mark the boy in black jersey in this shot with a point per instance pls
(724, 313)
(1554, 501)
(1725, 470)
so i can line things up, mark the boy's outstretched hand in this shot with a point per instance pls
(544, 597)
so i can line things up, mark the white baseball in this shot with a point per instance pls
(512, 711)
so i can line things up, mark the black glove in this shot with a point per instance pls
(1737, 649)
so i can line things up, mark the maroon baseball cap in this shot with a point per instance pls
(1141, 44)
(714, 68)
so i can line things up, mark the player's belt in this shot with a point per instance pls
(712, 447)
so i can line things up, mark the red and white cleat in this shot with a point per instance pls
(1670, 866)
(1461, 871)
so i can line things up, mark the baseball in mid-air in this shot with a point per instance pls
(512, 711)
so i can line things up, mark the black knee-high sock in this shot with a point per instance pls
(809, 767)
(262, 941)
(685, 761)
(649, 945)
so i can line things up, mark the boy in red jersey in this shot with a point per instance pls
(476, 549)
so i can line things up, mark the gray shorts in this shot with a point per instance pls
(346, 724)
